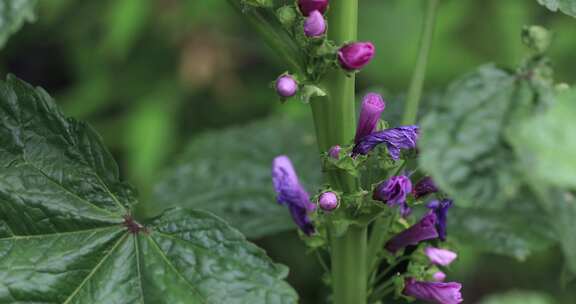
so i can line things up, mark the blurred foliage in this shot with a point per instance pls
(153, 75)
(13, 14)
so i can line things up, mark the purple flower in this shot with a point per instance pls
(315, 25)
(328, 201)
(356, 55)
(395, 139)
(424, 230)
(393, 191)
(291, 194)
(372, 107)
(439, 276)
(434, 292)
(440, 208)
(424, 187)
(308, 6)
(286, 86)
(334, 152)
(441, 257)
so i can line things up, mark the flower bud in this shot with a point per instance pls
(286, 86)
(424, 187)
(328, 201)
(315, 25)
(440, 257)
(334, 152)
(287, 15)
(372, 107)
(440, 208)
(434, 292)
(356, 55)
(308, 6)
(439, 276)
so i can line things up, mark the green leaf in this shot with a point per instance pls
(463, 144)
(13, 14)
(66, 235)
(228, 173)
(519, 297)
(568, 7)
(518, 230)
(546, 143)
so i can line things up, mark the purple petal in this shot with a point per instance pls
(424, 230)
(395, 139)
(394, 190)
(440, 208)
(434, 292)
(441, 257)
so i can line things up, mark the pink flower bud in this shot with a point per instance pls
(356, 55)
(315, 25)
(334, 152)
(439, 276)
(441, 257)
(308, 6)
(328, 201)
(286, 86)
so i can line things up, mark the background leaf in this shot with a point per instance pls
(13, 14)
(463, 145)
(66, 234)
(518, 297)
(566, 6)
(546, 143)
(228, 173)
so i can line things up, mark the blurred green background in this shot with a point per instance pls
(151, 75)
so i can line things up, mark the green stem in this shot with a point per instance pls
(335, 123)
(417, 82)
(349, 277)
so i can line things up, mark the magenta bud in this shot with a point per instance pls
(439, 276)
(315, 25)
(286, 86)
(356, 55)
(308, 6)
(328, 201)
(372, 107)
(334, 152)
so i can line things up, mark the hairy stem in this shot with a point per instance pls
(417, 82)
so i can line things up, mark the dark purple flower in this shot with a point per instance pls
(315, 25)
(424, 187)
(424, 230)
(440, 208)
(334, 152)
(393, 191)
(355, 56)
(439, 256)
(291, 194)
(372, 107)
(434, 292)
(395, 139)
(328, 201)
(308, 6)
(286, 86)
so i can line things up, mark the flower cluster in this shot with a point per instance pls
(350, 57)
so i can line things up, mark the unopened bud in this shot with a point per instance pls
(315, 25)
(286, 86)
(328, 201)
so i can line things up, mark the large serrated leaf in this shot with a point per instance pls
(518, 230)
(228, 173)
(463, 144)
(66, 235)
(13, 14)
(566, 6)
